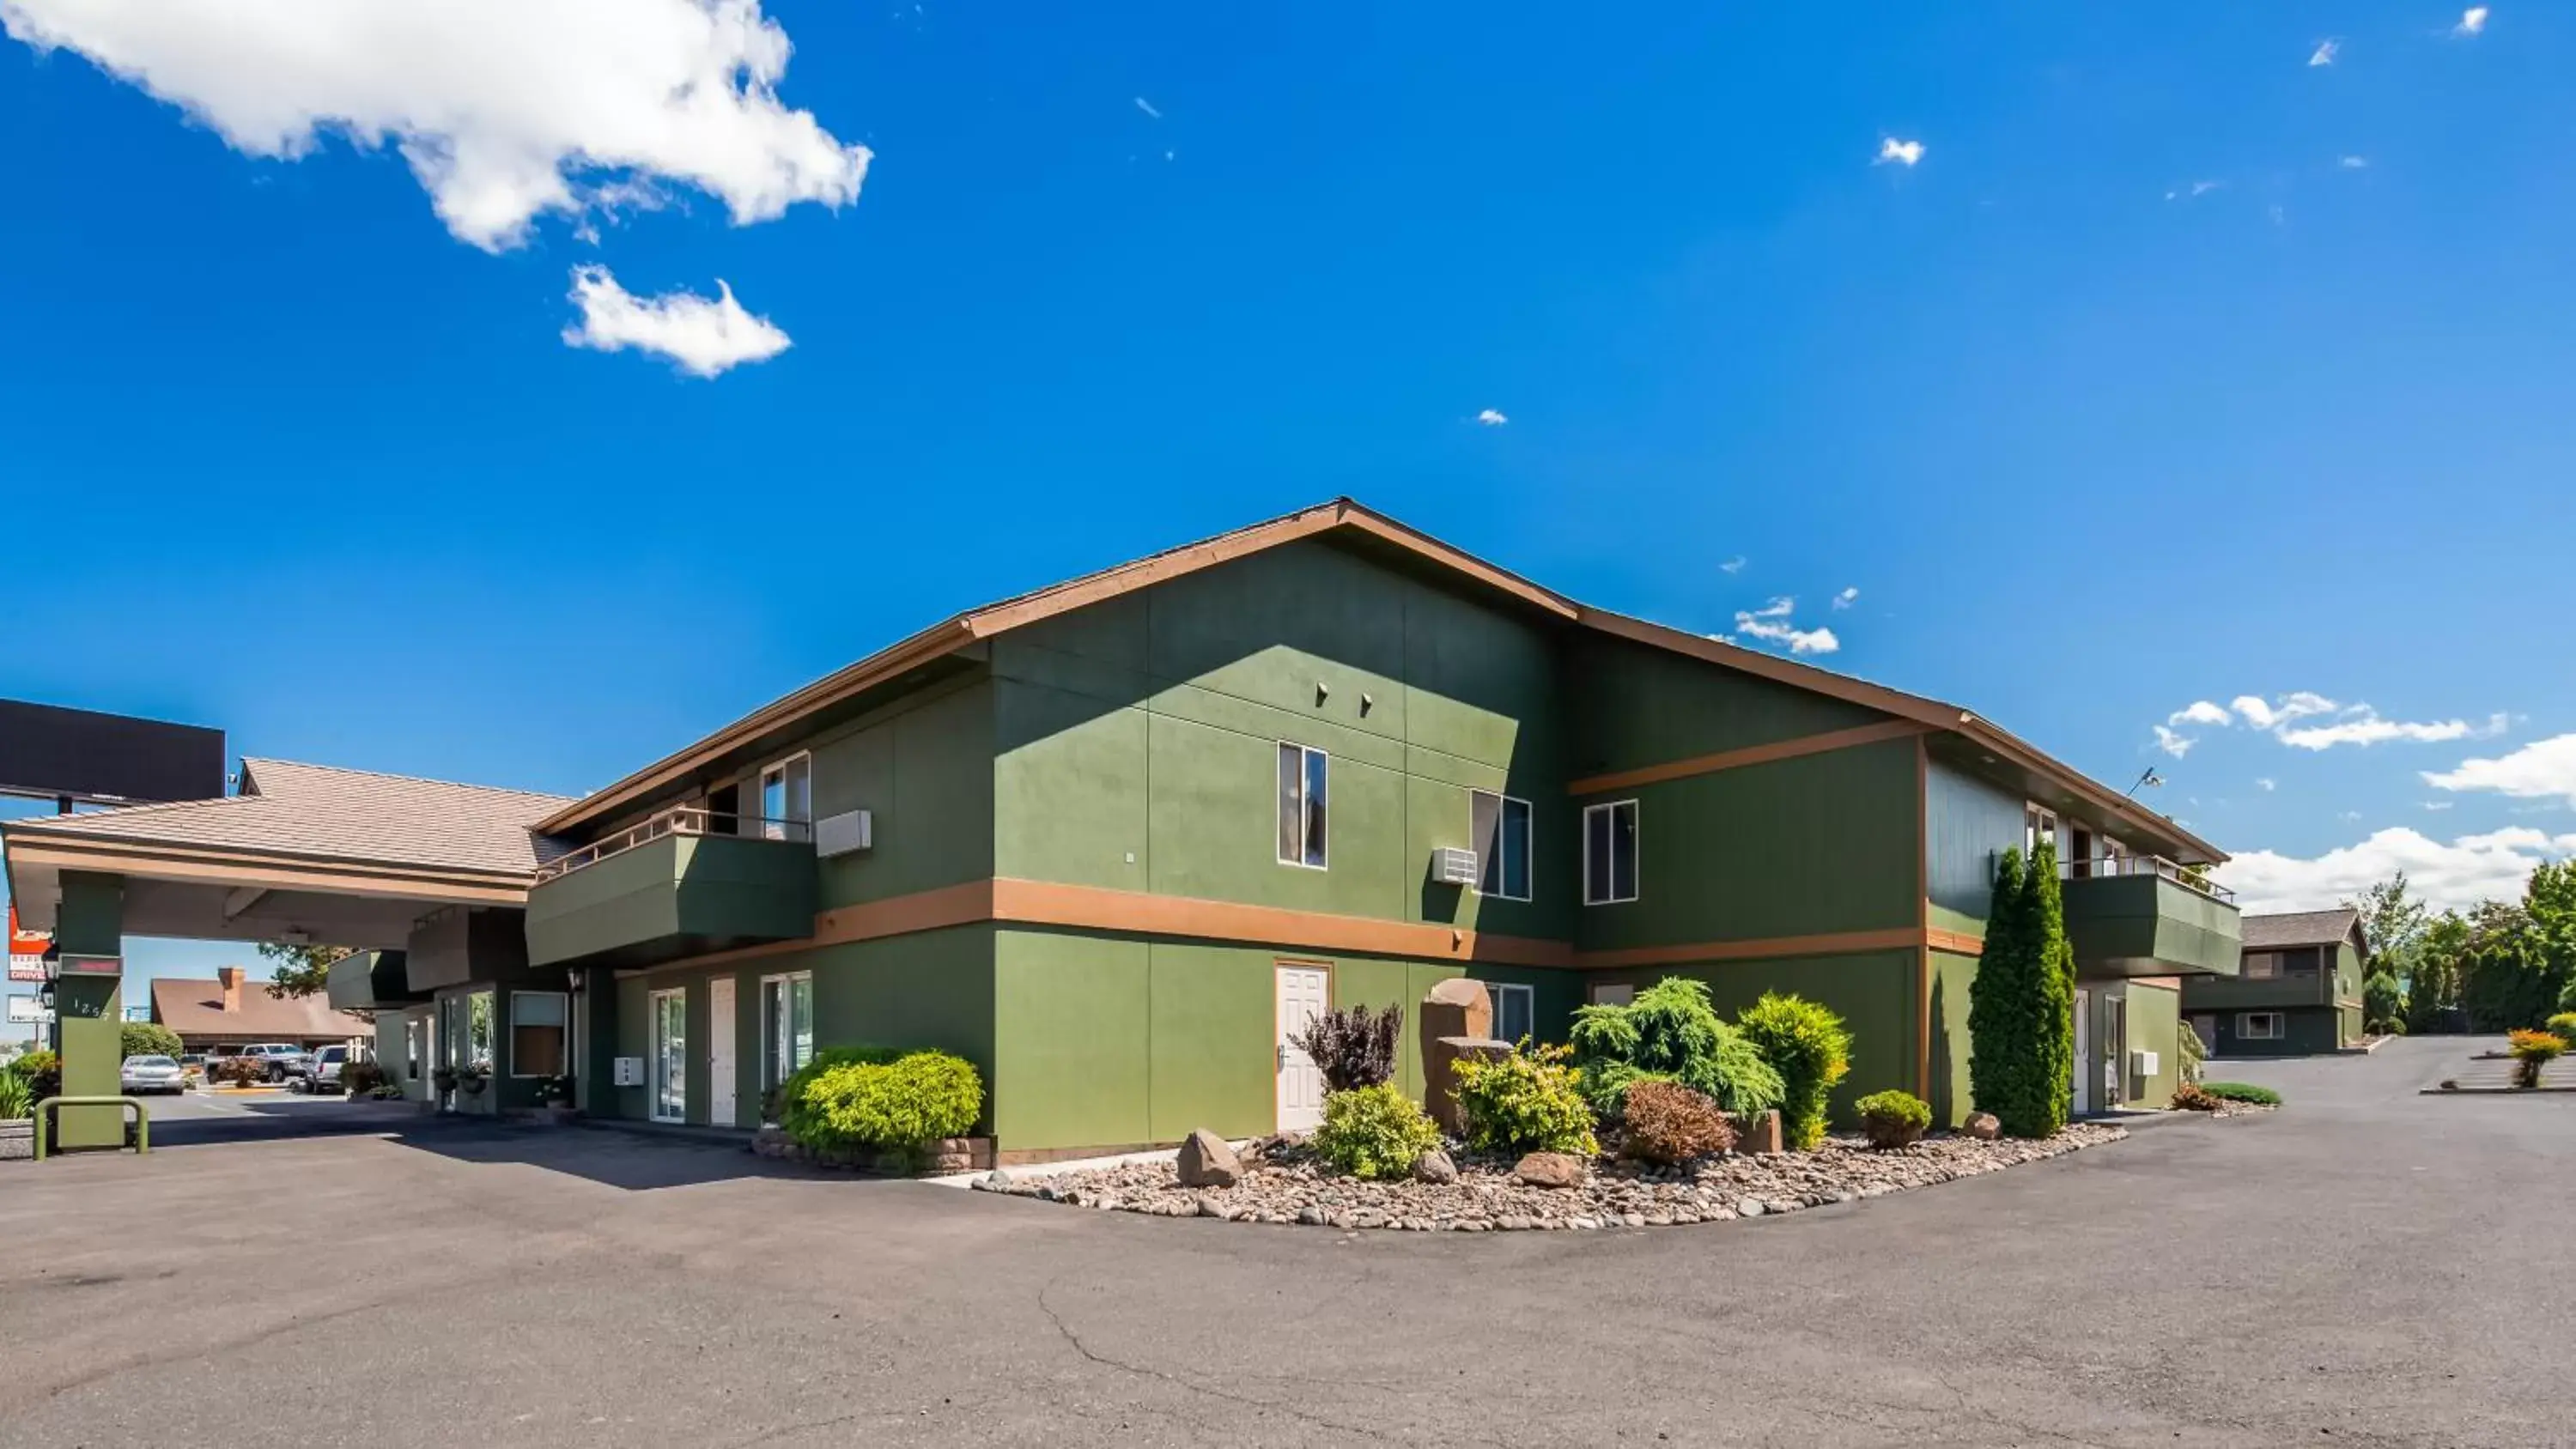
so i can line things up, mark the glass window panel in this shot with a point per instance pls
(1512, 1011)
(800, 1019)
(1292, 815)
(798, 806)
(1484, 832)
(1516, 849)
(1596, 855)
(1623, 851)
(1318, 791)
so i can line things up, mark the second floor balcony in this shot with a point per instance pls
(682, 882)
(2142, 915)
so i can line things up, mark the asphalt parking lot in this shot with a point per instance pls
(2370, 1266)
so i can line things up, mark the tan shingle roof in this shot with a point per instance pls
(2298, 928)
(325, 813)
(196, 1009)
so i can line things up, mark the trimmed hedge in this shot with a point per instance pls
(881, 1098)
(1811, 1050)
(1893, 1119)
(2242, 1092)
(1670, 1033)
(1374, 1131)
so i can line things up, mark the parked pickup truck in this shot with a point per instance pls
(278, 1061)
(320, 1071)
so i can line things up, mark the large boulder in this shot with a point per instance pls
(1550, 1169)
(1434, 1166)
(1760, 1135)
(1206, 1161)
(1983, 1126)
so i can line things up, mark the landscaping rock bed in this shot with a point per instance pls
(1278, 1183)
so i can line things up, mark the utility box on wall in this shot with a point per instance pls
(1452, 866)
(845, 834)
(628, 1072)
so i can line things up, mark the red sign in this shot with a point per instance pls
(26, 950)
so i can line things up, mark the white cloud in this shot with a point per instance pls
(2297, 704)
(1847, 598)
(2324, 54)
(2173, 743)
(1147, 107)
(1734, 565)
(2349, 815)
(1492, 418)
(2200, 711)
(2457, 875)
(2437, 804)
(2352, 163)
(702, 335)
(2473, 21)
(2266, 784)
(2541, 770)
(505, 109)
(2361, 725)
(1903, 153)
(1771, 625)
(2280, 716)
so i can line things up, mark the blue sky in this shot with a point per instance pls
(2174, 367)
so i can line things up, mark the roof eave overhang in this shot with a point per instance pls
(55, 851)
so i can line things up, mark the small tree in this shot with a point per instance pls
(1353, 1047)
(1811, 1050)
(2021, 1007)
(2383, 1005)
(148, 1039)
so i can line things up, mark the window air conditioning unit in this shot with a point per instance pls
(845, 833)
(2142, 1064)
(629, 1072)
(1452, 866)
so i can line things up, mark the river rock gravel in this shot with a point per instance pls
(1280, 1183)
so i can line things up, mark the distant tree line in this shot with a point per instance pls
(2500, 966)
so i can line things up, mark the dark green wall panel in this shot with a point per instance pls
(1638, 706)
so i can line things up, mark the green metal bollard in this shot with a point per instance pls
(142, 1118)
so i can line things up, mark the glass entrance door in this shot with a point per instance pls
(670, 1084)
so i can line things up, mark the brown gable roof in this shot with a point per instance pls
(196, 1008)
(2302, 928)
(320, 812)
(1349, 517)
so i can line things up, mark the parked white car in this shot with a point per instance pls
(151, 1074)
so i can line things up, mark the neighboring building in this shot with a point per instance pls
(1112, 840)
(232, 1010)
(2298, 990)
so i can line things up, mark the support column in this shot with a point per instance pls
(89, 1009)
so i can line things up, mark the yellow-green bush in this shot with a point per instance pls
(1893, 1119)
(1373, 1132)
(874, 1097)
(1810, 1049)
(1524, 1102)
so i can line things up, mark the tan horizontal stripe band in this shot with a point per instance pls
(1749, 755)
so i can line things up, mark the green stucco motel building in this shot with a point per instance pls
(1113, 839)
(2297, 990)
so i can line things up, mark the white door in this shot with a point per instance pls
(670, 1056)
(2083, 1052)
(720, 1054)
(1302, 997)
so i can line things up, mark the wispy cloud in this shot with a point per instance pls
(1734, 565)
(2324, 54)
(2541, 770)
(2455, 875)
(2352, 163)
(2173, 742)
(2197, 188)
(2283, 717)
(1771, 624)
(2200, 712)
(2437, 804)
(2361, 726)
(1492, 417)
(2473, 21)
(2266, 784)
(1147, 107)
(1903, 153)
(1847, 598)
(703, 336)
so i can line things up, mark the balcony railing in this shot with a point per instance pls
(678, 820)
(2188, 877)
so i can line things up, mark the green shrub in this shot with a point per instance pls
(1667, 1123)
(148, 1039)
(1810, 1049)
(2531, 1051)
(2242, 1092)
(42, 1071)
(2383, 1004)
(1374, 1131)
(1670, 1034)
(2192, 1097)
(384, 1092)
(359, 1078)
(791, 1111)
(2194, 1055)
(2562, 1026)
(16, 1102)
(2021, 1006)
(1524, 1101)
(1353, 1047)
(899, 1105)
(1893, 1119)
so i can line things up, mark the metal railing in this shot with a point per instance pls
(2190, 878)
(677, 820)
(142, 1122)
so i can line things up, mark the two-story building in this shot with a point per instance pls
(2297, 990)
(1114, 840)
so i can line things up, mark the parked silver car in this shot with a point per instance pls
(151, 1074)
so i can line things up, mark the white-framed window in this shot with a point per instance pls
(1305, 789)
(786, 799)
(1498, 830)
(2039, 823)
(2258, 1026)
(1515, 1010)
(1612, 993)
(537, 1035)
(786, 1026)
(1610, 853)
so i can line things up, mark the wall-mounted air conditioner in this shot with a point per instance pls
(845, 833)
(2142, 1064)
(1452, 866)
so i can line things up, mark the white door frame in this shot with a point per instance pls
(658, 1061)
(1292, 1063)
(2083, 1052)
(723, 1104)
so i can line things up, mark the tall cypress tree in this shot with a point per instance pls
(2001, 1042)
(2053, 1006)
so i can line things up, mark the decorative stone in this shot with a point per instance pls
(1311, 1216)
(1632, 1220)
(1206, 1161)
(1982, 1126)
(1440, 1058)
(1759, 1137)
(1751, 1207)
(1555, 1170)
(1435, 1167)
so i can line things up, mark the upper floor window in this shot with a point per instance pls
(1515, 1010)
(2038, 823)
(1498, 828)
(2261, 965)
(787, 800)
(1610, 853)
(1305, 789)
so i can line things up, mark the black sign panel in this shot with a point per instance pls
(49, 751)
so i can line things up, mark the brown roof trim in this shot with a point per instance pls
(1340, 513)
(195, 862)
